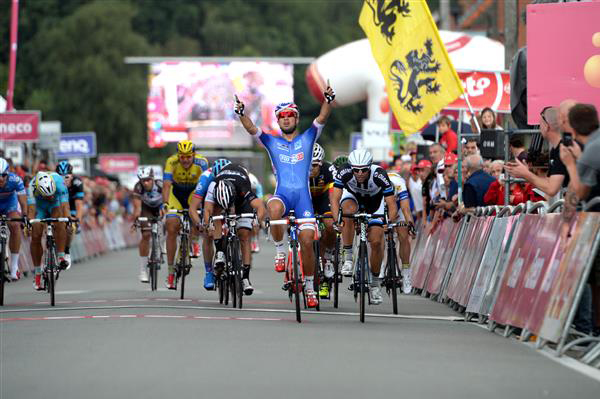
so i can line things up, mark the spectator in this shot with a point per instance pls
(557, 175)
(517, 147)
(427, 177)
(436, 156)
(563, 115)
(477, 183)
(415, 187)
(397, 163)
(448, 139)
(487, 120)
(470, 147)
(495, 193)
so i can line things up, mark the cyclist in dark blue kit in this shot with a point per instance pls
(291, 156)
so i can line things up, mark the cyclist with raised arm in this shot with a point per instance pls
(197, 204)
(147, 202)
(363, 186)
(75, 186)
(403, 203)
(231, 192)
(291, 155)
(182, 172)
(321, 186)
(12, 196)
(258, 190)
(48, 197)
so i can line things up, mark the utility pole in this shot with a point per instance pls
(511, 31)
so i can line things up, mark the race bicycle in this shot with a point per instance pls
(156, 257)
(294, 283)
(392, 280)
(184, 262)
(4, 269)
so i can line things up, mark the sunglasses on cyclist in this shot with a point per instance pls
(286, 114)
(360, 170)
(4, 175)
(315, 164)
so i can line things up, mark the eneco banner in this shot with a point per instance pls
(19, 126)
(119, 163)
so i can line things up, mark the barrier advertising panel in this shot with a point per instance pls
(570, 271)
(488, 263)
(19, 126)
(468, 250)
(419, 276)
(519, 257)
(442, 257)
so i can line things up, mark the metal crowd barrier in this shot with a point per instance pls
(514, 267)
(89, 243)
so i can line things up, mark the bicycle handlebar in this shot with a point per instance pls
(297, 221)
(148, 219)
(240, 216)
(182, 211)
(3, 218)
(50, 220)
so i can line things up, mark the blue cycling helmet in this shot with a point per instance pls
(219, 165)
(287, 107)
(64, 168)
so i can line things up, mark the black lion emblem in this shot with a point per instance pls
(385, 14)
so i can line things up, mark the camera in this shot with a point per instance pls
(567, 139)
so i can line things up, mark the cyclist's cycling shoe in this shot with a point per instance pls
(144, 276)
(68, 259)
(406, 281)
(311, 298)
(248, 289)
(63, 263)
(219, 261)
(375, 294)
(195, 250)
(280, 263)
(348, 268)
(37, 283)
(328, 268)
(209, 281)
(255, 247)
(324, 291)
(170, 284)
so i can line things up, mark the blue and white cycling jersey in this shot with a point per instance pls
(43, 205)
(202, 187)
(291, 161)
(13, 187)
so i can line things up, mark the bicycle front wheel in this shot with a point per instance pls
(362, 266)
(184, 249)
(237, 270)
(3, 271)
(391, 274)
(318, 271)
(336, 271)
(296, 280)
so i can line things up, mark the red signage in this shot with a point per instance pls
(19, 126)
(119, 163)
(485, 89)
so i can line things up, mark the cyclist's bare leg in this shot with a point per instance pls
(404, 245)
(60, 229)
(172, 225)
(244, 236)
(348, 207)
(306, 238)
(328, 235)
(375, 238)
(276, 209)
(37, 230)
(144, 247)
(14, 242)
(208, 249)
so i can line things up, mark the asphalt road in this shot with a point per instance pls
(110, 337)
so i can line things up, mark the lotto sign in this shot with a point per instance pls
(119, 163)
(19, 126)
(77, 145)
(485, 89)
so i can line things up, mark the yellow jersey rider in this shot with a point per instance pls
(181, 174)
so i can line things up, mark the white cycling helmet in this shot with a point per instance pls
(145, 172)
(359, 158)
(318, 153)
(225, 194)
(3, 166)
(44, 184)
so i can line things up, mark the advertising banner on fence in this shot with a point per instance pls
(19, 126)
(441, 258)
(77, 145)
(569, 274)
(119, 163)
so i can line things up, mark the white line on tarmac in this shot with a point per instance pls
(315, 313)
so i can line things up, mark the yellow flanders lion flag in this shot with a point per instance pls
(419, 76)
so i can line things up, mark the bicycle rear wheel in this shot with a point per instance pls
(296, 283)
(362, 265)
(3, 270)
(154, 262)
(237, 270)
(184, 248)
(318, 272)
(336, 271)
(391, 273)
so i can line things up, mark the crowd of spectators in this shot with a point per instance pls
(569, 169)
(104, 200)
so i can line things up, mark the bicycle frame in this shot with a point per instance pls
(155, 258)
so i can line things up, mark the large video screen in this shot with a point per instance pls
(195, 100)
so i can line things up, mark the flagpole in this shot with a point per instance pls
(12, 65)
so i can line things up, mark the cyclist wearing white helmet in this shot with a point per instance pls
(321, 186)
(48, 197)
(13, 202)
(231, 192)
(365, 186)
(291, 156)
(147, 202)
